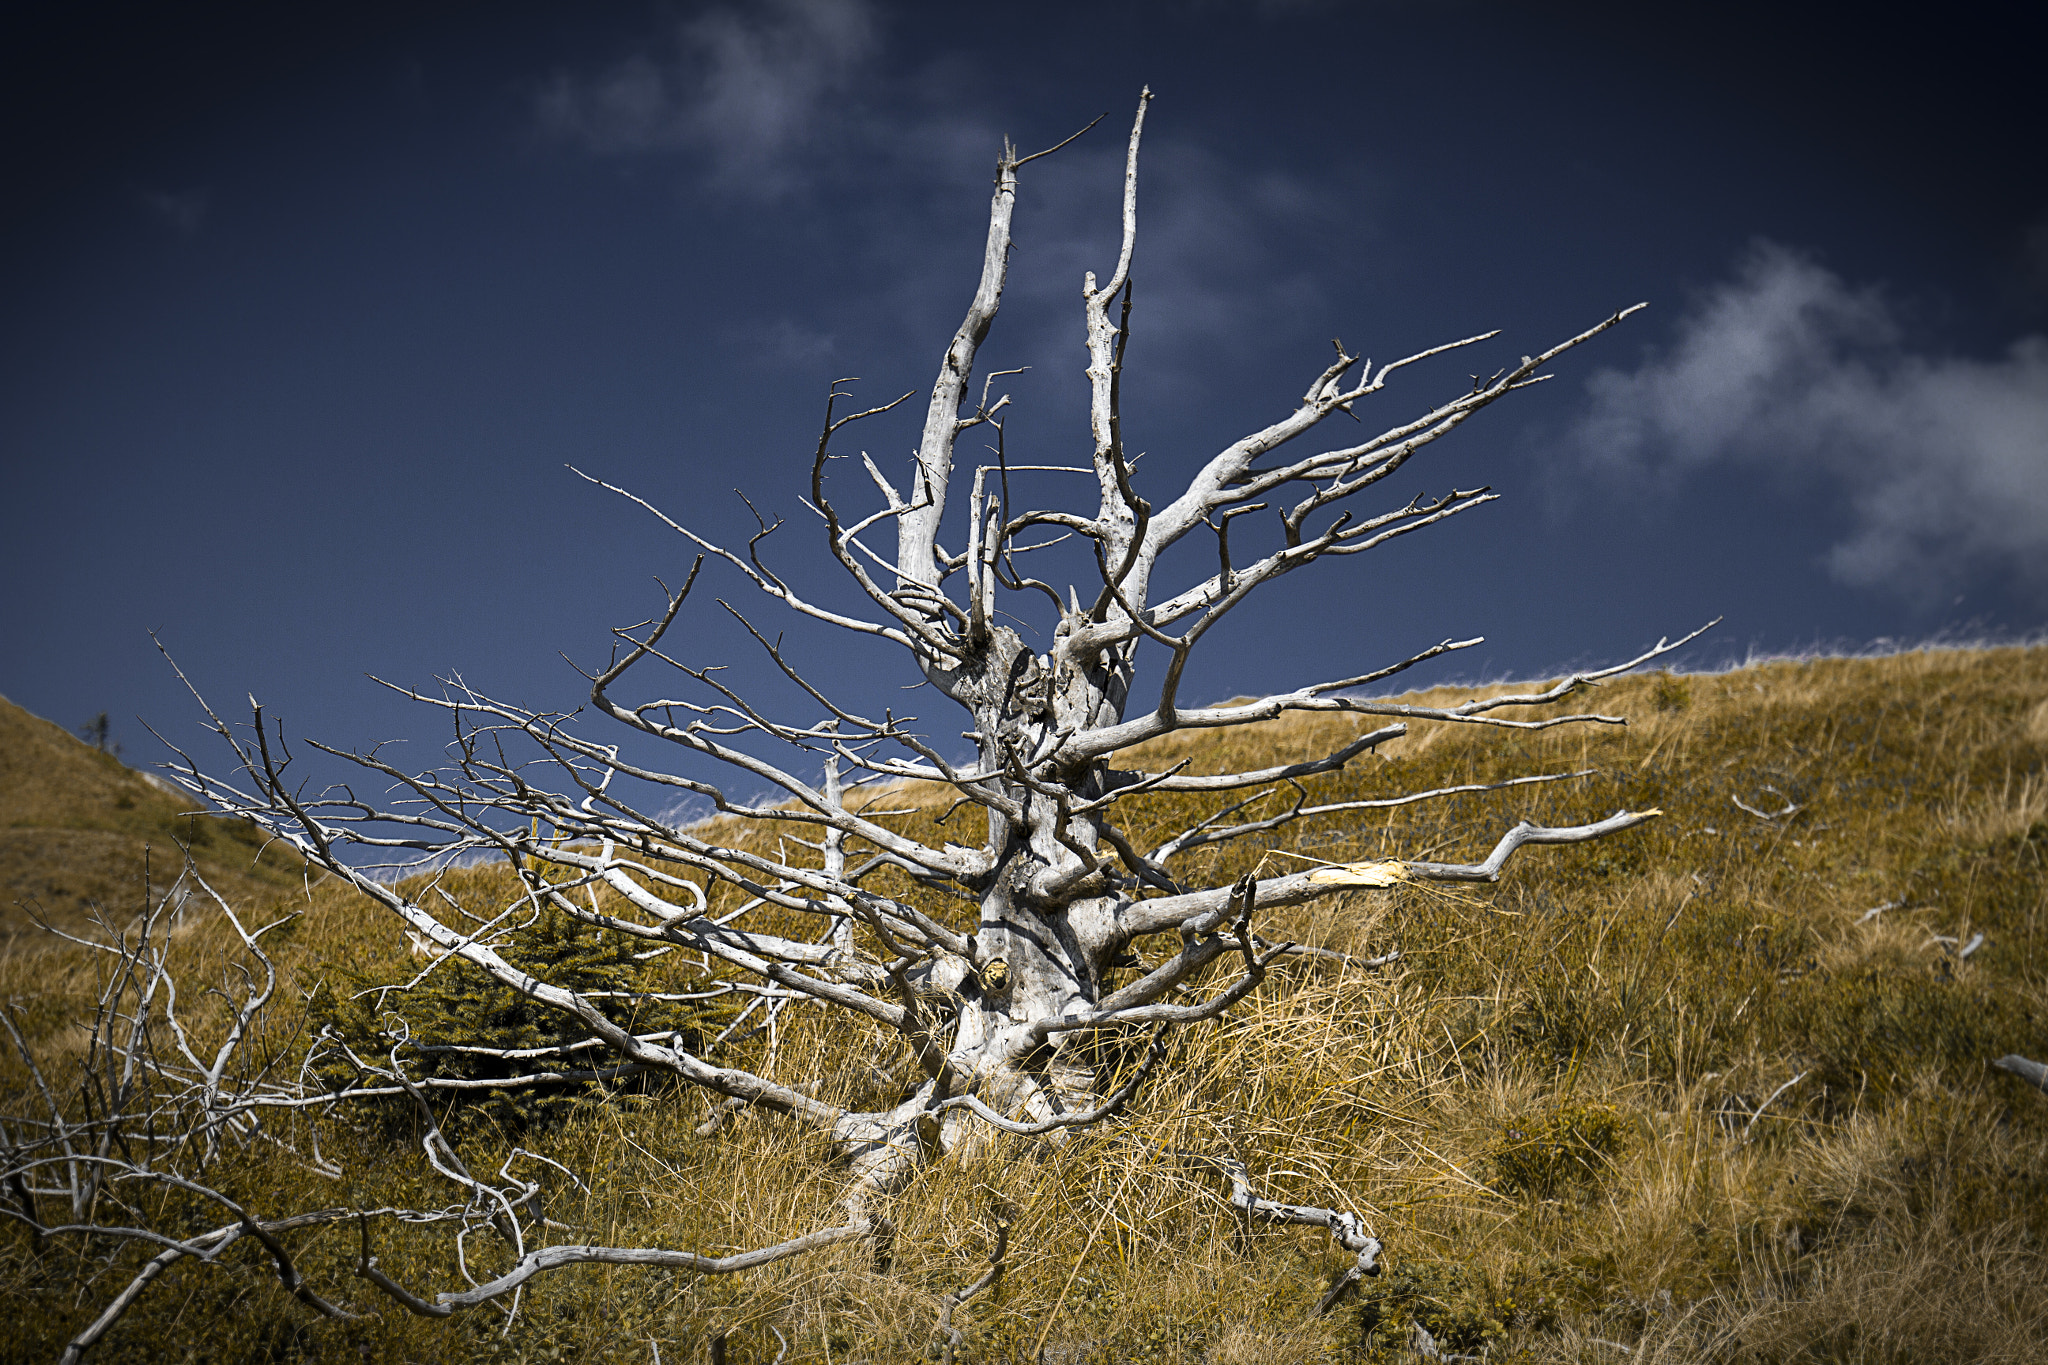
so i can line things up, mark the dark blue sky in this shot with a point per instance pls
(304, 309)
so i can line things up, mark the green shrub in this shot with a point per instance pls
(1671, 692)
(1568, 1144)
(459, 1005)
(1451, 1302)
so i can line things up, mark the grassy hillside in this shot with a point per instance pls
(74, 824)
(1685, 1094)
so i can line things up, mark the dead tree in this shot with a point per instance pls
(999, 996)
(114, 1148)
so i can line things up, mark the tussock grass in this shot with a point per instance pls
(1552, 1107)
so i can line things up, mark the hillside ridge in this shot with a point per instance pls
(80, 828)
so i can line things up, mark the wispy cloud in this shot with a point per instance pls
(798, 95)
(783, 343)
(1941, 462)
(2034, 257)
(742, 86)
(183, 212)
(1219, 256)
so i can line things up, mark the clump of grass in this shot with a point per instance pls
(1568, 1144)
(1671, 692)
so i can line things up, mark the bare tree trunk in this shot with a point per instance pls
(1000, 1005)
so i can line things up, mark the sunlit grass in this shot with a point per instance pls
(1887, 1205)
(78, 828)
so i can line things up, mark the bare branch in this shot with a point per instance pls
(1526, 833)
(1329, 763)
(917, 531)
(1202, 911)
(952, 1302)
(1155, 1052)
(1198, 835)
(2032, 1072)
(205, 1245)
(767, 583)
(1109, 739)
(554, 1258)
(1346, 1229)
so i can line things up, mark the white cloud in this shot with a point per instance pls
(743, 85)
(1942, 462)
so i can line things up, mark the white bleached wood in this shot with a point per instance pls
(2032, 1072)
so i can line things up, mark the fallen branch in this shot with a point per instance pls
(2033, 1073)
(1787, 813)
(954, 1336)
(1347, 1229)
(1767, 1103)
(556, 1257)
(205, 1246)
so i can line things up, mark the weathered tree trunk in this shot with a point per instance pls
(1001, 1014)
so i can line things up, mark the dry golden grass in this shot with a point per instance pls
(1657, 987)
(75, 826)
